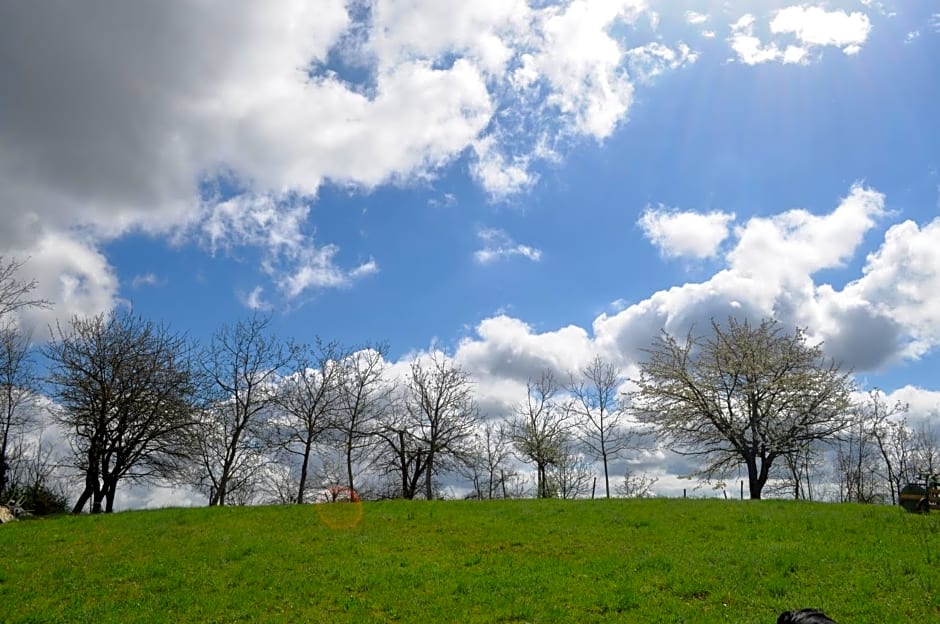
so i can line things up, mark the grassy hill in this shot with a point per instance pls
(506, 561)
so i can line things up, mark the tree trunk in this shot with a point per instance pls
(96, 501)
(407, 486)
(892, 479)
(755, 485)
(429, 476)
(606, 479)
(92, 487)
(349, 468)
(3, 446)
(220, 490)
(303, 472)
(541, 487)
(110, 490)
(83, 498)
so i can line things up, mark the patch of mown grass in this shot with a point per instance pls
(463, 561)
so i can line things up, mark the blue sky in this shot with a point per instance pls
(522, 183)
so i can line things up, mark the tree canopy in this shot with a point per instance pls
(742, 395)
(124, 390)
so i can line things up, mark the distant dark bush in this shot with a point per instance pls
(37, 499)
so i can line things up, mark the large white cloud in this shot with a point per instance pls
(901, 280)
(808, 242)
(124, 117)
(771, 261)
(582, 63)
(118, 108)
(885, 315)
(508, 348)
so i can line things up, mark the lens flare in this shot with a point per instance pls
(339, 507)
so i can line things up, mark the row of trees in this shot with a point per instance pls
(879, 453)
(252, 417)
(139, 404)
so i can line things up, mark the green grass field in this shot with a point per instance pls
(466, 561)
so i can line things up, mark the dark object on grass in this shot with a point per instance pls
(804, 616)
(923, 496)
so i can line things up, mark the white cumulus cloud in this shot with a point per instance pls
(886, 314)
(815, 26)
(688, 234)
(749, 48)
(797, 32)
(134, 123)
(901, 280)
(809, 242)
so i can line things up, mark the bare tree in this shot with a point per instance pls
(280, 484)
(17, 393)
(307, 399)
(17, 383)
(857, 465)
(487, 464)
(926, 450)
(241, 367)
(600, 412)
(124, 388)
(887, 427)
(540, 429)
(874, 454)
(362, 394)
(897, 444)
(570, 476)
(403, 455)
(32, 480)
(329, 473)
(439, 401)
(744, 395)
(799, 467)
(15, 293)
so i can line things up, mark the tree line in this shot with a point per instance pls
(249, 417)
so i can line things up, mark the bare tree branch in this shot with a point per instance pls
(241, 366)
(15, 292)
(540, 429)
(600, 412)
